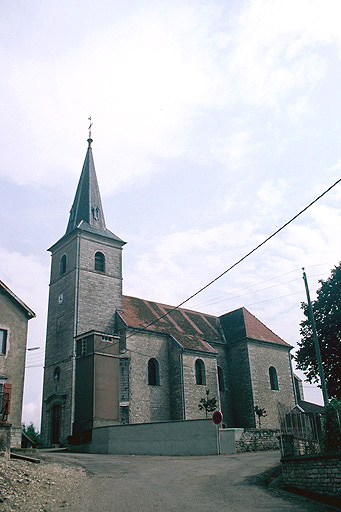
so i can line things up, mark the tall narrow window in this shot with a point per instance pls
(200, 377)
(273, 378)
(153, 372)
(221, 379)
(3, 341)
(100, 262)
(63, 265)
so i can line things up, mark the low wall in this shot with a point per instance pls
(320, 474)
(254, 440)
(191, 437)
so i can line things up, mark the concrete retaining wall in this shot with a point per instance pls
(190, 437)
(197, 437)
(320, 474)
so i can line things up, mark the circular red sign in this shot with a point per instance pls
(217, 417)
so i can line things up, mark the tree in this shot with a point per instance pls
(30, 431)
(261, 413)
(327, 313)
(208, 404)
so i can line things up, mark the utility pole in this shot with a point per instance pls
(316, 343)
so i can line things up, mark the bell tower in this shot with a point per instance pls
(85, 291)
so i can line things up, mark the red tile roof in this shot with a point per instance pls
(191, 329)
(241, 323)
(194, 330)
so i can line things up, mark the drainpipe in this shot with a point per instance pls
(182, 384)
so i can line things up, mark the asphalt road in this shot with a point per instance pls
(228, 483)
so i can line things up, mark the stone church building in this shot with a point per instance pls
(113, 359)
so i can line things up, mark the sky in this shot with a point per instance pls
(214, 123)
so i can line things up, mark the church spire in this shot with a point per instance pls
(87, 205)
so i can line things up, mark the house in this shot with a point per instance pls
(14, 317)
(114, 359)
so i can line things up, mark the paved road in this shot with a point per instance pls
(226, 483)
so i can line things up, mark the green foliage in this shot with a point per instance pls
(208, 404)
(332, 429)
(327, 313)
(261, 413)
(31, 432)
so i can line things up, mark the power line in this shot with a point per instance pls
(241, 259)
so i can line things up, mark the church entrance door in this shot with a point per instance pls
(56, 416)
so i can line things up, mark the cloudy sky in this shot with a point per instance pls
(214, 121)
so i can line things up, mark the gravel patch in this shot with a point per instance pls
(44, 487)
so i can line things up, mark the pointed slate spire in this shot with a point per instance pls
(87, 205)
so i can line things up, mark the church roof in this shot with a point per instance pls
(87, 211)
(193, 330)
(241, 324)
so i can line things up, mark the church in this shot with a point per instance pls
(112, 359)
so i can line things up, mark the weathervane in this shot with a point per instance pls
(89, 118)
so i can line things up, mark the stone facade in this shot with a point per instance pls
(14, 316)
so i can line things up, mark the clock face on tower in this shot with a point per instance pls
(60, 298)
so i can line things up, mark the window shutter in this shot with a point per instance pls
(8, 389)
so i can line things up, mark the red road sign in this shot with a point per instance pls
(217, 417)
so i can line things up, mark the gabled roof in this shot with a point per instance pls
(241, 324)
(4, 289)
(193, 330)
(309, 407)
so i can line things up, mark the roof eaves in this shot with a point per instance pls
(30, 313)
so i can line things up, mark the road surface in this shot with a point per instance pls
(229, 483)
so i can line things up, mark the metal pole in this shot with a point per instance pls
(316, 343)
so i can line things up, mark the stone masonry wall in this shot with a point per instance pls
(226, 391)
(261, 357)
(239, 372)
(148, 403)
(320, 474)
(194, 392)
(254, 440)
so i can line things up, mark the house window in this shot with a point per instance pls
(100, 262)
(200, 377)
(273, 378)
(153, 372)
(3, 341)
(221, 379)
(63, 265)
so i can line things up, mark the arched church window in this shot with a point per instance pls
(153, 372)
(56, 374)
(100, 262)
(221, 379)
(63, 265)
(273, 378)
(200, 377)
